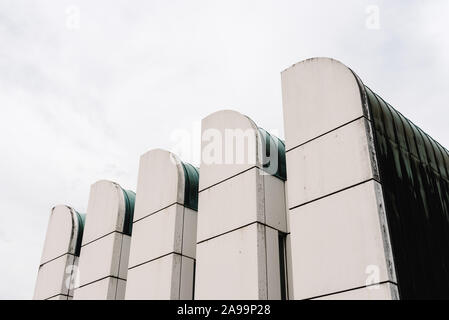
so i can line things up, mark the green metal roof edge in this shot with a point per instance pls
(281, 171)
(130, 201)
(428, 150)
(414, 174)
(191, 178)
(79, 237)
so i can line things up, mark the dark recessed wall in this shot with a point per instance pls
(414, 173)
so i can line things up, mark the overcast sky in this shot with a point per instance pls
(86, 87)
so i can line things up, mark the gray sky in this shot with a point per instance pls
(82, 99)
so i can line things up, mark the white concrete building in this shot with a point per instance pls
(354, 205)
(105, 248)
(242, 216)
(59, 261)
(339, 231)
(162, 258)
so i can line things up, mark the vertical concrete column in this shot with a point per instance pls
(242, 213)
(59, 261)
(162, 259)
(339, 235)
(104, 256)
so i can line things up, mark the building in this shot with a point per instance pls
(353, 205)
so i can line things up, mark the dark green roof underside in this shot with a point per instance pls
(191, 177)
(269, 140)
(130, 200)
(414, 173)
(79, 237)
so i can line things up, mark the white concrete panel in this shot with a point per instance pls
(61, 233)
(230, 204)
(187, 277)
(162, 226)
(157, 235)
(60, 297)
(337, 242)
(275, 208)
(273, 265)
(288, 249)
(100, 258)
(73, 268)
(155, 280)
(105, 210)
(189, 233)
(228, 145)
(54, 277)
(384, 291)
(330, 163)
(232, 266)
(104, 289)
(160, 182)
(318, 95)
(236, 200)
(121, 290)
(286, 206)
(124, 256)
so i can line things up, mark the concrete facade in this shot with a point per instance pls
(354, 205)
(339, 232)
(59, 262)
(106, 242)
(241, 214)
(163, 246)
